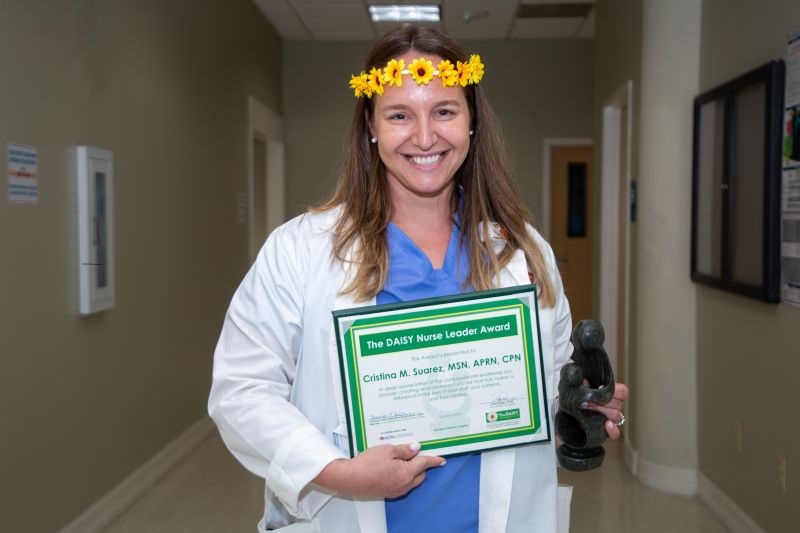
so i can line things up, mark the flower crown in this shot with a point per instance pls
(462, 73)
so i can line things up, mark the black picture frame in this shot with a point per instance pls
(736, 184)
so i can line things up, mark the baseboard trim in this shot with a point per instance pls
(690, 482)
(631, 457)
(671, 479)
(724, 507)
(117, 500)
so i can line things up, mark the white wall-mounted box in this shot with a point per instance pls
(95, 174)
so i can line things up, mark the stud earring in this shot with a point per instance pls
(373, 140)
(471, 132)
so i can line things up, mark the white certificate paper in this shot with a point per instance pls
(456, 374)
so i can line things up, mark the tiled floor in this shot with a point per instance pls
(611, 500)
(209, 492)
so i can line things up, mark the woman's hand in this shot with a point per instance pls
(384, 471)
(613, 410)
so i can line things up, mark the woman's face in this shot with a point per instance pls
(422, 133)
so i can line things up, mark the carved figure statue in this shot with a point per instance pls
(589, 378)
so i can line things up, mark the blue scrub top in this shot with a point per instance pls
(447, 501)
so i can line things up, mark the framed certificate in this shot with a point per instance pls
(456, 374)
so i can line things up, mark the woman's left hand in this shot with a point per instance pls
(613, 411)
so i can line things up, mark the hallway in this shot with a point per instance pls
(208, 492)
(169, 89)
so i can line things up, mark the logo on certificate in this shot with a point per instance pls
(502, 416)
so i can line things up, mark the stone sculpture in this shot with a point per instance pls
(589, 378)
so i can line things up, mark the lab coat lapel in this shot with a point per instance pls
(497, 467)
(371, 513)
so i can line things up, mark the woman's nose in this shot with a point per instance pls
(425, 135)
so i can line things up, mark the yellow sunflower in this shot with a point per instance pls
(464, 73)
(476, 68)
(393, 73)
(375, 81)
(360, 85)
(447, 73)
(421, 70)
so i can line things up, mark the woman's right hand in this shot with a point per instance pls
(384, 471)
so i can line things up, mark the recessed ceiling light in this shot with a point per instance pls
(404, 13)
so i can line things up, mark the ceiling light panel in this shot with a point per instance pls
(404, 13)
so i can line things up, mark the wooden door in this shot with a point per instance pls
(571, 229)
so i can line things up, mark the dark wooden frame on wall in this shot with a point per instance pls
(736, 184)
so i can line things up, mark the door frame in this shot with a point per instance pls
(264, 124)
(614, 174)
(552, 142)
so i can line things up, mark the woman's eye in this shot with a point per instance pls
(445, 112)
(398, 116)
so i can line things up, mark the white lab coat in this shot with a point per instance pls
(277, 398)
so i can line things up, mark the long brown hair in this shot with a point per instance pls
(489, 190)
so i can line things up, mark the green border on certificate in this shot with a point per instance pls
(456, 374)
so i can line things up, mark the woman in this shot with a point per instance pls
(425, 206)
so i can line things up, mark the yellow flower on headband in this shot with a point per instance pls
(375, 81)
(393, 73)
(421, 70)
(464, 73)
(360, 85)
(447, 73)
(476, 68)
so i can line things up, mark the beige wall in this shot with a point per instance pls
(317, 110)
(164, 85)
(538, 89)
(747, 350)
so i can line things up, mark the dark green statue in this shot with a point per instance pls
(588, 379)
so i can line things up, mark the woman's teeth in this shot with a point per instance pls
(427, 160)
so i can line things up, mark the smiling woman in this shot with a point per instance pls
(370, 198)
(425, 206)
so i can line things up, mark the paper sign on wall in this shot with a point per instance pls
(23, 174)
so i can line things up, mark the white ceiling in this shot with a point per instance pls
(348, 20)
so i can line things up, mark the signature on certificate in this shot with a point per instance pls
(393, 416)
(502, 399)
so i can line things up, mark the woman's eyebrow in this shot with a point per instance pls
(394, 107)
(448, 102)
